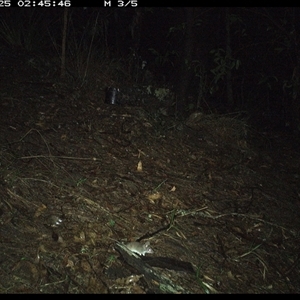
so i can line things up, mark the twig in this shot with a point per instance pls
(61, 157)
(40, 136)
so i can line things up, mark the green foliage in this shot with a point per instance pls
(81, 181)
(11, 33)
(267, 80)
(111, 223)
(223, 64)
(162, 59)
(179, 28)
(110, 260)
(23, 29)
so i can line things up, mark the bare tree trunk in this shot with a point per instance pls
(186, 62)
(294, 119)
(230, 99)
(135, 30)
(63, 45)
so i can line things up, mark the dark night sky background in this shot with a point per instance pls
(263, 47)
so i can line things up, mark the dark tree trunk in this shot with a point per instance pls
(294, 119)
(185, 74)
(230, 100)
(135, 31)
(63, 45)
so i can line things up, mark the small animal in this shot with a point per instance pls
(139, 248)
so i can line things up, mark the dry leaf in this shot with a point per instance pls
(40, 210)
(230, 275)
(139, 166)
(173, 189)
(70, 264)
(154, 197)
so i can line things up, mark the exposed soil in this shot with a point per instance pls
(218, 202)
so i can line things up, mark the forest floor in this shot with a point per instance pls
(218, 201)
